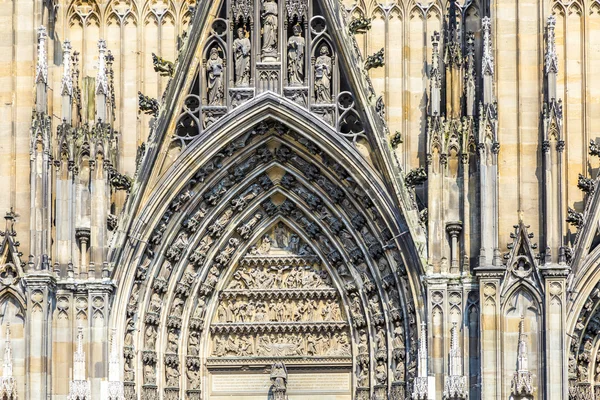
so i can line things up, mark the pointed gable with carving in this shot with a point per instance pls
(10, 256)
(522, 262)
(313, 69)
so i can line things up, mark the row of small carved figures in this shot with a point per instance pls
(233, 311)
(332, 344)
(280, 277)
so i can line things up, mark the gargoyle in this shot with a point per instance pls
(162, 66)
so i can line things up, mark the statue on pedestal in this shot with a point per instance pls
(279, 380)
(242, 48)
(296, 46)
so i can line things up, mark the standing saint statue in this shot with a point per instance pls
(279, 379)
(242, 48)
(269, 28)
(323, 69)
(214, 67)
(296, 46)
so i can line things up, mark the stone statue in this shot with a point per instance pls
(155, 303)
(279, 379)
(294, 243)
(215, 68)
(281, 236)
(149, 377)
(193, 376)
(150, 337)
(296, 47)
(242, 48)
(323, 69)
(172, 375)
(269, 18)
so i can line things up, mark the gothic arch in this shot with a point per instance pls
(275, 123)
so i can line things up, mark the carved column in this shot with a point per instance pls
(490, 331)
(454, 229)
(40, 287)
(555, 281)
(99, 293)
(488, 147)
(40, 168)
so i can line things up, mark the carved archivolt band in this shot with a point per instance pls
(214, 220)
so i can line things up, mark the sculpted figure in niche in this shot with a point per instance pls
(363, 345)
(150, 337)
(311, 310)
(265, 246)
(323, 69)
(311, 345)
(172, 376)
(215, 67)
(155, 303)
(381, 372)
(219, 347)
(281, 237)
(296, 46)
(193, 344)
(245, 346)
(172, 342)
(221, 313)
(193, 376)
(362, 376)
(149, 377)
(294, 243)
(200, 308)
(269, 28)
(242, 49)
(177, 309)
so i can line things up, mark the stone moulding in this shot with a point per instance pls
(281, 293)
(304, 360)
(278, 327)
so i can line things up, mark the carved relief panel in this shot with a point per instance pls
(279, 302)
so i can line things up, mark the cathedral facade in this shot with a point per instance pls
(300, 199)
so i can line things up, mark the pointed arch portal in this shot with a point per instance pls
(268, 251)
(272, 241)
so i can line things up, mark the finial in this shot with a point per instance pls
(67, 78)
(487, 61)
(7, 368)
(101, 79)
(551, 56)
(42, 57)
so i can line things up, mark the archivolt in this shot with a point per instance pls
(194, 237)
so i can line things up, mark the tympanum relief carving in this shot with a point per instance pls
(279, 302)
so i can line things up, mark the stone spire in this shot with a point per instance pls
(101, 82)
(115, 386)
(66, 89)
(488, 147)
(470, 76)
(8, 385)
(522, 384)
(455, 383)
(422, 379)
(41, 72)
(487, 61)
(79, 387)
(436, 77)
(551, 56)
(453, 60)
